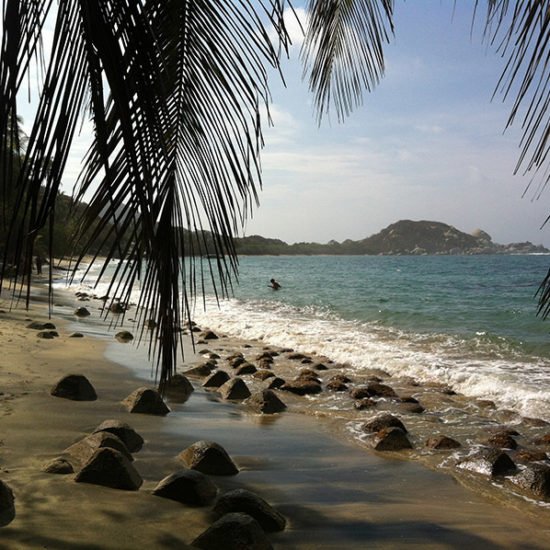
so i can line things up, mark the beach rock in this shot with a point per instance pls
(235, 389)
(178, 388)
(366, 403)
(131, 439)
(489, 462)
(410, 408)
(247, 502)
(146, 401)
(296, 356)
(7, 504)
(81, 451)
(265, 402)
(391, 439)
(75, 387)
(306, 361)
(188, 487)
(209, 335)
(360, 392)
(81, 312)
(235, 361)
(309, 374)
(534, 422)
(124, 336)
(542, 440)
(340, 378)
(525, 456)
(408, 399)
(442, 442)
(275, 383)
(233, 532)
(76, 335)
(486, 404)
(376, 389)
(150, 324)
(335, 385)
(216, 379)
(267, 355)
(302, 386)
(110, 468)
(245, 368)
(58, 465)
(502, 440)
(200, 371)
(534, 479)
(265, 364)
(263, 374)
(36, 325)
(208, 458)
(47, 334)
(383, 421)
(117, 307)
(319, 366)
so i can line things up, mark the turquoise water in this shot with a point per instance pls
(466, 321)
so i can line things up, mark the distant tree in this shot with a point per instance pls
(174, 89)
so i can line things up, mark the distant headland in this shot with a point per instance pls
(404, 237)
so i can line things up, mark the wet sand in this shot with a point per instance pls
(334, 494)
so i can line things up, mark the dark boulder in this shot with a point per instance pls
(275, 383)
(178, 388)
(524, 456)
(534, 479)
(376, 389)
(7, 504)
(296, 356)
(188, 487)
(117, 307)
(81, 312)
(410, 408)
(200, 371)
(247, 502)
(390, 439)
(146, 401)
(489, 462)
(383, 421)
(124, 336)
(319, 366)
(47, 334)
(209, 458)
(209, 335)
(340, 378)
(75, 387)
(441, 442)
(265, 402)
(335, 385)
(235, 389)
(76, 335)
(245, 368)
(265, 355)
(542, 440)
(233, 532)
(216, 379)
(58, 465)
(264, 364)
(502, 440)
(110, 468)
(36, 325)
(365, 403)
(81, 451)
(360, 392)
(130, 438)
(236, 361)
(263, 374)
(302, 386)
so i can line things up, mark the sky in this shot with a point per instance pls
(428, 144)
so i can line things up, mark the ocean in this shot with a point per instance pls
(468, 322)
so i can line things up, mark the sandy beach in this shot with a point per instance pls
(333, 494)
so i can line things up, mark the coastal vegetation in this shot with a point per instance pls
(175, 91)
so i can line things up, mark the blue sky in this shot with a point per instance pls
(428, 143)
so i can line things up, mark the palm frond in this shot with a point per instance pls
(343, 51)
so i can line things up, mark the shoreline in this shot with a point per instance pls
(334, 494)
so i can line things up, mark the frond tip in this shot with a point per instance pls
(343, 51)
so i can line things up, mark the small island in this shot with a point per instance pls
(405, 237)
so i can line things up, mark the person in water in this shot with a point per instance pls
(274, 284)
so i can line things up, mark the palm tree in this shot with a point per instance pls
(175, 89)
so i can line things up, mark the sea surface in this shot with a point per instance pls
(468, 322)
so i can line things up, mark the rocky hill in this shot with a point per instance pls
(404, 237)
